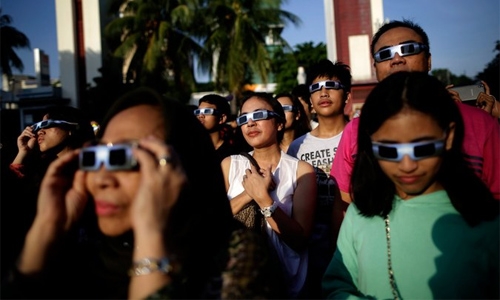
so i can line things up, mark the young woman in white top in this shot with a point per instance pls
(284, 188)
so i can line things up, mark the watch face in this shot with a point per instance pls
(268, 211)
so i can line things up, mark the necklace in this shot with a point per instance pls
(392, 280)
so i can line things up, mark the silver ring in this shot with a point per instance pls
(164, 160)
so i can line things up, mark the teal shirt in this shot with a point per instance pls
(435, 253)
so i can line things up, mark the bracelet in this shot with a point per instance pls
(149, 265)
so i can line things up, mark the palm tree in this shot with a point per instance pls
(10, 39)
(148, 36)
(236, 31)
(160, 39)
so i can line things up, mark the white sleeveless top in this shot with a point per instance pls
(285, 176)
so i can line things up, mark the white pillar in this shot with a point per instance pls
(66, 44)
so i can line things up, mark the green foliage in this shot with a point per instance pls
(158, 42)
(445, 76)
(236, 30)
(491, 74)
(151, 39)
(285, 64)
(10, 39)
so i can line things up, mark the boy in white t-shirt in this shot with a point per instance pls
(329, 86)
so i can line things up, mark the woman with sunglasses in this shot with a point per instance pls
(422, 225)
(297, 123)
(284, 187)
(62, 129)
(139, 218)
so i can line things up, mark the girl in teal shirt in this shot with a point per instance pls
(421, 225)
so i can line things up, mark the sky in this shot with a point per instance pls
(462, 33)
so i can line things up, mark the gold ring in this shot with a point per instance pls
(164, 160)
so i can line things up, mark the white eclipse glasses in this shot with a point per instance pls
(256, 116)
(328, 84)
(402, 49)
(50, 123)
(114, 157)
(288, 108)
(205, 111)
(416, 151)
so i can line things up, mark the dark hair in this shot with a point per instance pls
(300, 126)
(276, 107)
(372, 191)
(302, 91)
(202, 216)
(81, 133)
(220, 103)
(396, 24)
(327, 68)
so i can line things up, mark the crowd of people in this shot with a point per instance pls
(400, 201)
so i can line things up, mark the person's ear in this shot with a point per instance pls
(429, 63)
(348, 97)
(450, 136)
(222, 119)
(281, 126)
(297, 115)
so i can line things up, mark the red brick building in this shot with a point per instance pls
(350, 27)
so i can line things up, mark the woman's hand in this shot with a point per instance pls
(62, 197)
(258, 183)
(162, 180)
(26, 143)
(61, 202)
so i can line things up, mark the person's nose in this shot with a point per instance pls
(200, 116)
(251, 122)
(103, 178)
(398, 59)
(407, 164)
(323, 92)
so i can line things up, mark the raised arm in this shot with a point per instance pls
(162, 180)
(61, 201)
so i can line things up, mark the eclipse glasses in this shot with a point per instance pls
(328, 84)
(416, 151)
(402, 49)
(256, 116)
(205, 111)
(288, 108)
(114, 157)
(50, 123)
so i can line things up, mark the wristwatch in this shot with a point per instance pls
(269, 210)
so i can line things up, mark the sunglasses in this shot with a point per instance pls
(403, 50)
(288, 108)
(50, 123)
(205, 111)
(328, 84)
(114, 157)
(416, 151)
(256, 116)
